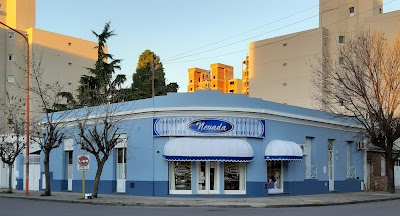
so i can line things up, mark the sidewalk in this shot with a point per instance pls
(264, 202)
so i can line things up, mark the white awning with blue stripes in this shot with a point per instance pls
(282, 150)
(208, 149)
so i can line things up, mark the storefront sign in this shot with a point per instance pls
(189, 126)
(210, 126)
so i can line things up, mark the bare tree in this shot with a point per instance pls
(12, 140)
(49, 131)
(364, 83)
(98, 129)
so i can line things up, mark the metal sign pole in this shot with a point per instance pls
(83, 184)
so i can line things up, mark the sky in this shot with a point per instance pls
(183, 33)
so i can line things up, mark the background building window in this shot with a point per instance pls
(10, 57)
(341, 39)
(351, 11)
(341, 60)
(284, 45)
(284, 64)
(10, 79)
(11, 35)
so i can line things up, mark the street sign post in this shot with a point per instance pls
(83, 164)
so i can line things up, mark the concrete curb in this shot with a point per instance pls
(138, 204)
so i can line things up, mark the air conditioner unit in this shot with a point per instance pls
(360, 146)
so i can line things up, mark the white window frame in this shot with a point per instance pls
(242, 176)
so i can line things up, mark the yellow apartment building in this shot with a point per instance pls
(279, 68)
(63, 58)
(220, 78)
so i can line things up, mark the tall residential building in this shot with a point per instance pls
(280, 67)
(62, 58)
(220, 77)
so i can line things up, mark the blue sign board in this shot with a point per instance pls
(210, 126)
(189, 126)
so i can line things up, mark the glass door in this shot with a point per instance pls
(207, 177)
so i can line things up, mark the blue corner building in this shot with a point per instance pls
(208, 143)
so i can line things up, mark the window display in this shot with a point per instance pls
(274, 176)
(181, 173)
(234, 177)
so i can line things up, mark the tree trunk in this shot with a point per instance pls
(100, 166)
(10, 178)
(47, 191)
(390, 171)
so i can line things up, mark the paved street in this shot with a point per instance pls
(18, 207)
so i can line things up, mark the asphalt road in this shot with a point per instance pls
(20, 207)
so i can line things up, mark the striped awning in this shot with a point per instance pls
(281, 150)
(208, 149)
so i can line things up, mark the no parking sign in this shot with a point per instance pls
(83, 162)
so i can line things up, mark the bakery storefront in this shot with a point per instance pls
(208, 155)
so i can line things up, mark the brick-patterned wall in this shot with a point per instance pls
(375, 159)
(379, 183)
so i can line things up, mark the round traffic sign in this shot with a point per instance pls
(83, 160)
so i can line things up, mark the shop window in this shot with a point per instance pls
(234, 178)
(274, 177)
(180, 179)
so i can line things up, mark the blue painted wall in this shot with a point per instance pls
(147, 171)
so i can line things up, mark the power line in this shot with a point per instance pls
(291, 24)
(270, 23)
(287, 38)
